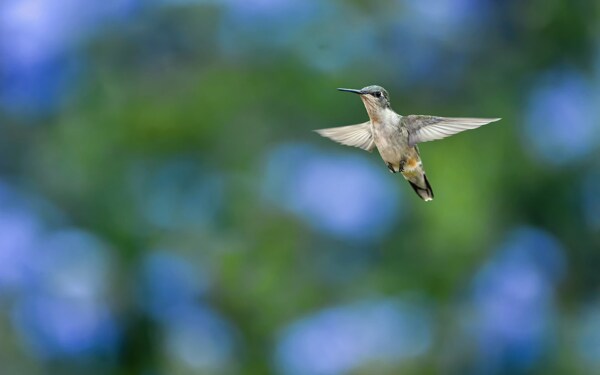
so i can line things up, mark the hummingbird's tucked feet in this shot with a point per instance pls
(396, 137)
(402, 164)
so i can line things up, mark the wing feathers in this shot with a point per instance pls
(353, 135)
(431, 128)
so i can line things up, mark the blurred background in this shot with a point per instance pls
(166, 209)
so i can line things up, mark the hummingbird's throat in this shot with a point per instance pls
(373, 108)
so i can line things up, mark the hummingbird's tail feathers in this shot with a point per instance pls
(423, 191)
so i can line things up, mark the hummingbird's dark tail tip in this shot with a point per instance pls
(425, 193)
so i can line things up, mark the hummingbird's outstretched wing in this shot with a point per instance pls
(353, 135)
(430, 128)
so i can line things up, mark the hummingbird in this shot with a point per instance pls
(396, 136)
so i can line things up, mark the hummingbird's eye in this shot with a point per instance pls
(378, 94)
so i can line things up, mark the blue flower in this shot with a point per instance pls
(169, 284)
(55, 326)
(73, 264)
(19, 236)
(445, 19)
(345, 196)
(429, 39)
(37, 43)
(200, 339)
(513, 300)
(59, 280)
(64, 312)
(195, 335)
(561, 117)
(341, 339)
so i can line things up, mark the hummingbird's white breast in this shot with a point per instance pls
(390, 138)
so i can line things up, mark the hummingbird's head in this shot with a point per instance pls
(375, 97)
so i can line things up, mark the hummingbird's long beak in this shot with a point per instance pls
(352, 90)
